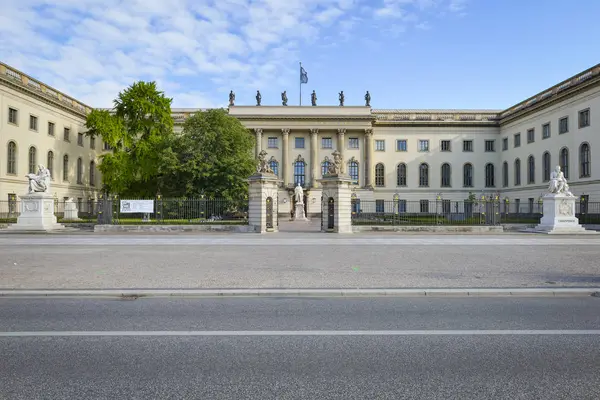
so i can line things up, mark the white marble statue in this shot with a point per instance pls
(558, 183)
(39, 182)
(299, 194)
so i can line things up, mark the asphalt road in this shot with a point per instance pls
(308, 348)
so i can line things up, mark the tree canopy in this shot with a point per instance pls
(211, 157)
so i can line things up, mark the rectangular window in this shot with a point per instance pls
(530, 135)
(490, 146)
(546, 131)
(401, 145)
(13, 116)
(80, 139)
(92, 142)
(563, 125)
(380, 145)
(467, 145)
(379, 206)
(517, 139)
(326, 143)
(423, 146)
(107, 146)
(504, 144)
(353, 143)
(584, 118)
(33, 123)
(66, 134)
(445, 145)
(299, 142)
(272, 143)
(51, 128)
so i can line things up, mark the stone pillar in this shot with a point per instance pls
(262, 197)
(258, 133)
(37, 214)
(285, 156)
(559, 215)
(341, 146)
(336, 204)
(369, 172)
(314, 162)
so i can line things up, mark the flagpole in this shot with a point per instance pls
(300, 83)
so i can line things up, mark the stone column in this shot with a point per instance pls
(262, 202)
(336, 204)
(341, 146)
(369, 172)
(314, 162)
(258, 133)
(285, 156)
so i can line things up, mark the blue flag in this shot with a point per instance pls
(303, 75)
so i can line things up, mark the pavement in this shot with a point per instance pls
(309, 348)
(297, 260)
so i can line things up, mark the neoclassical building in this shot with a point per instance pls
(410, 155)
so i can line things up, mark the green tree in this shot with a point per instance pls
(139, 130)
(212, 157)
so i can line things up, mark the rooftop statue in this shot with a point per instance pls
(367, 99)
(231, 98)
(258, 97)
(284, 98)
(341, 97)
(313, 98)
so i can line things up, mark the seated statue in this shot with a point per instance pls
(558, 183)
(39, 182)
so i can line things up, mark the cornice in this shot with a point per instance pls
(23, 83)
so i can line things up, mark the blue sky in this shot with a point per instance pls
(462, 54)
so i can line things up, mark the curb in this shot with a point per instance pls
(136, 293)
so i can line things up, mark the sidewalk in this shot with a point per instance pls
(297, 261)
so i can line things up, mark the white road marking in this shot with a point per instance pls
(553, 332)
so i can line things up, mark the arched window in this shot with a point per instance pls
(547, 166)
(531, 169)
(379, 175)
(50, 163)
(401, 174)
(504, 174)
(423, 175)
(445, 175)
(79, 170)
(517, 172)
(325, 167)
(468, 175)
(11, 167)
(564, 161)
(585, 170)
(93, 173)
(32, 160)
(490, 175)
(66, 168)
(353, 171)
(299, 172)
(274, 165)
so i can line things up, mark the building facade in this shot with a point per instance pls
(40, 125)
(403, 155)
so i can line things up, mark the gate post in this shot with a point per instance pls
(336, 204)
(262, 202)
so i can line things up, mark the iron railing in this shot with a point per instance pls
(164, 211)
(447, 212)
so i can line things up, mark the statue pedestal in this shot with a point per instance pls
(299, 214)
(263, 202)
(559, 216)
(36, 214)
(336, 204)
(71, 212)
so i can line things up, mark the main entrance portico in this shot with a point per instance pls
(299, 142)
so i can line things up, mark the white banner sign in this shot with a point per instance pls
(137, 206)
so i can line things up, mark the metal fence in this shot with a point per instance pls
(447, 212)
(164, 211)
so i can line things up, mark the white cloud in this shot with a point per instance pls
(92, 49)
